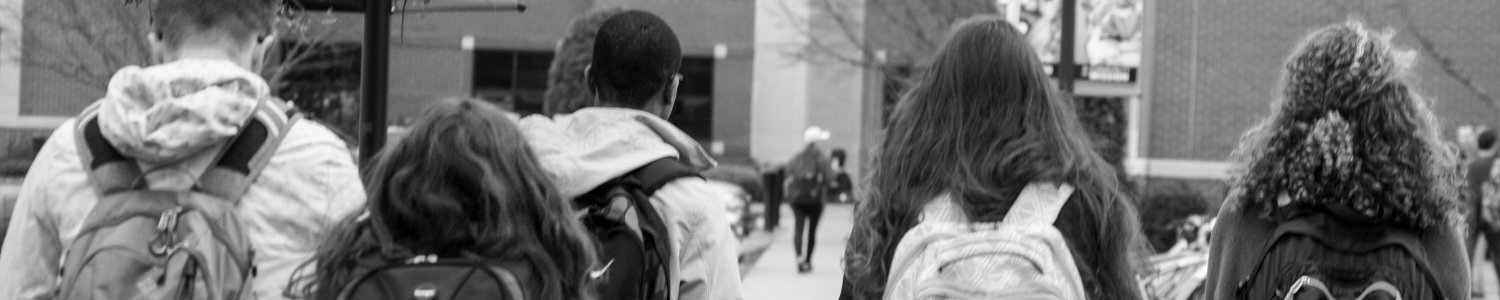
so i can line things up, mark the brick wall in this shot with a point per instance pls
(1216, 63)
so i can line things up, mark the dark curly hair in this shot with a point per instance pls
(1348, 129)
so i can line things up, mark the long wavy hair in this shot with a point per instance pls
(982, 123)
(1348, 129)
(463, 182)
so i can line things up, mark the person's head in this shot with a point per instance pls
(239, 31)
(981, 123)
(464, 180)
(566, 90)
(838, 155)
(635, 63)
(1486, 142)
(1347, 125)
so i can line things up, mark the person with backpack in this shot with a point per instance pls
(807, 181)
(458, 196)
(987, 187)
(1346, 190)
(187, 178)
(661, 229)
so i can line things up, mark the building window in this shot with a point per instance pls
(516, 80)
(694, 111)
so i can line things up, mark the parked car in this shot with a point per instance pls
(746, 185)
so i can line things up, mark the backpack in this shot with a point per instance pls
(426, 277)
(634, 249)
(1021, 257)
(1332, 252)
(138, 243)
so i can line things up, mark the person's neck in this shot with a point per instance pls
(207, 53)
(649, 108)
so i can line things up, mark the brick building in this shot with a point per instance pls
(1212, 69)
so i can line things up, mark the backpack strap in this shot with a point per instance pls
(108, 170)
(650, 178)
(1039, 204)
(655, 175)
(242, 160)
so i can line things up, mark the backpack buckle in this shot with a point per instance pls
(422, 259)
(164, 240)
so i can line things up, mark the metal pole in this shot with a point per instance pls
(1066, 67)
(374, 72)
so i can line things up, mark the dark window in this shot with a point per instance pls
(694, 111)
(514, 80)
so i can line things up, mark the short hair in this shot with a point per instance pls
(1486, 139)
(176, 20)
(838, 155)
(567, 90)
(635, 55)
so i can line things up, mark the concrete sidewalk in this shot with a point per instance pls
(774, 275)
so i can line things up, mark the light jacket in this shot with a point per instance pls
(593, 145)
(308, 185)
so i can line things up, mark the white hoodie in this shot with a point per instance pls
(163, 115)
(593, 145)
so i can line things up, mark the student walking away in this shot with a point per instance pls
(463, 207)
(1346, 191)
(806, 187)
(187, 177)
(841, 187)
(661, 229)
(987, 187)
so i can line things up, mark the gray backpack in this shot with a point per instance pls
(139, 243)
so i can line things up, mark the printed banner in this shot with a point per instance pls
(1108, 41)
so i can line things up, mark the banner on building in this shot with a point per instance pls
(1108, 41)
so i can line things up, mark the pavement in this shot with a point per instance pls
(773, 274)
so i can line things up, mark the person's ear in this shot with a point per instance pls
(588, 82)
(258, 49)
(158, 47)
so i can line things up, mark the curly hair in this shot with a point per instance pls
(981, 124)
(463, 182)
(1348, 129)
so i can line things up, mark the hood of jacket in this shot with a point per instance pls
(164, 113)
(593, 145)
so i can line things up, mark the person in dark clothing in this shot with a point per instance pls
(806, 187)
(840, 187)
(775, 193)
(1480, 217)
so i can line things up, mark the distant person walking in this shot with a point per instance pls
(1346, 189)
(807, 178)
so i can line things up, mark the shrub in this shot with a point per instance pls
(1164, 209)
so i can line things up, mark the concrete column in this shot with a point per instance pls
(779, 93)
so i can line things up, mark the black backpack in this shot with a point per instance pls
(1336, 253)
(427, 277)
(634, 249)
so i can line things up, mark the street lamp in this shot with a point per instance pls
(375, 59)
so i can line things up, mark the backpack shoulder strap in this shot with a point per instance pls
(1039, 204)
(655, 175)
(108, 170)
(241, 161)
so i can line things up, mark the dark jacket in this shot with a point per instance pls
(1238, 234)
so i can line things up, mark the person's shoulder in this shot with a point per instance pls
(692, 193)
(311, 134)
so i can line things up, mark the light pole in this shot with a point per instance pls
(375, 59)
